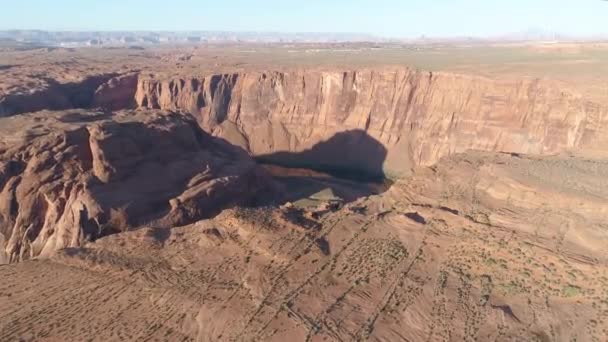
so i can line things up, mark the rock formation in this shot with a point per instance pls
(53, 95)
(417, 116)
(70, 177)
(117, 93)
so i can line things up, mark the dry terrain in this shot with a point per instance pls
(304, 192)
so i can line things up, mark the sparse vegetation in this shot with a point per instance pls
(571, 291)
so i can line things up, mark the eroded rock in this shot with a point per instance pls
(71, 177)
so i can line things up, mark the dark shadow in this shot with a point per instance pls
(6, 67)
(348, 166)
(159, 234)
(507, 311)
(352, 155)
(80, 94)
(85, 117)
(221, 95)
(414, 216)
(57, 96)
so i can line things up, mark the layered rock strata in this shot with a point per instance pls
(409, 117)
(71, 177)
(402, 116)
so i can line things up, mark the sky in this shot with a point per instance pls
(388, 18)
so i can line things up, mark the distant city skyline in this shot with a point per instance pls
(383, 18)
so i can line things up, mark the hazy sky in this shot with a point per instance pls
(395, 18)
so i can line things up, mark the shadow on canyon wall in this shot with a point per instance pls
(353, 158)
(58, 96)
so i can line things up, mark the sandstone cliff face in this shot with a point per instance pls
(117, 93)
(418, 117)
(402, 116)
(71, 177)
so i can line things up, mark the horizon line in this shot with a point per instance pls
(530, 31)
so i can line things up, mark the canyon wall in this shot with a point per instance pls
(413, 117)
(53, 95)
(381, 121)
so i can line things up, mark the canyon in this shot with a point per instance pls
(417, 117)
(192, 198)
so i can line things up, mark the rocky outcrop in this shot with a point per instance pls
(71, 177)
(418, 117)
(57, 96)
(117, 93)
(210, 98)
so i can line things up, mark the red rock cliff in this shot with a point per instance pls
(418, 117)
